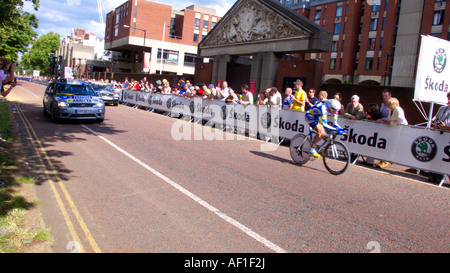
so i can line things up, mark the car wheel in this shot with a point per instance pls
(53, 116)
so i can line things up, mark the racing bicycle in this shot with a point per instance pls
(335, 154)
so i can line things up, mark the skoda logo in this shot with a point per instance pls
(266, 120)
(424, 149)
(440, 60)
(223, 113)
(192, 107)
(169, 103)
(149, 100)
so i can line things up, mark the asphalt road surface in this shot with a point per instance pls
(125, 185)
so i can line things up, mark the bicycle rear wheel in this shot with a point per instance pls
(336, 158)
(299, 149)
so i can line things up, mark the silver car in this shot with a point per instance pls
(73, 99)
(106, 92)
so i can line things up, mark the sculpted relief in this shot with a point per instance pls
(254, 22)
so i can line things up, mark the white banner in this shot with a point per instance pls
(433, 71)
(421, 148)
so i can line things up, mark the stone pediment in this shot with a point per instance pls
(253, 22)
(261, 21)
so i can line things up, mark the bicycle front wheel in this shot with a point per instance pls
(299, 149)
(336, 158)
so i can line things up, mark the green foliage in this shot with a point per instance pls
(16, 27)
(37, 57)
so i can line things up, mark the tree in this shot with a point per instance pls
(38, 56)
(16, 27)
(11, 8)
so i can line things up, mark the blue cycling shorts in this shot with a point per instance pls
(313, 122)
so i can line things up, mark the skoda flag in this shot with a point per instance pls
(433, 71)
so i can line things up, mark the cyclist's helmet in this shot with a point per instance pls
(333, 104)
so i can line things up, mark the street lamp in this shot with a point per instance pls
(143, 48)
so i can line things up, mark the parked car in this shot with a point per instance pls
(106, 92)
(72, 99)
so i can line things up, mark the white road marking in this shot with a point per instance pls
(197, 199)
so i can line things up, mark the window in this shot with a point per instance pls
(369, 63)
(371, 44)
(334, 46)
(333, 64)
(376, 6)
(339, 11)
(337, 28)
(373, 24)
(438, 17)
(205, 24)
(318, 13)
(197, 22)
(195, 38)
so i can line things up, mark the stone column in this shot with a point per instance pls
(264, 70)
(220, 68)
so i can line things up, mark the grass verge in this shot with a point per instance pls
(19, 229)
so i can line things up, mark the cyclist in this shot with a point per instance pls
(316, 117)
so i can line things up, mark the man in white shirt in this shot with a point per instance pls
(224, 92)
(275, 97)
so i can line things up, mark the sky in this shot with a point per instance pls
(61, 16)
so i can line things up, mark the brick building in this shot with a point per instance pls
(374, 41)
(139, 26)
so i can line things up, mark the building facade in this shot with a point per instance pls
(166, 39)
(374, 41)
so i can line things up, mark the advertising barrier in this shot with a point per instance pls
(417, 147)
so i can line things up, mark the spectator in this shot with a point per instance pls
(396, 117)
(263, 97)
(287, 102)
(166, 87)
(384, 110)
(247, 96)
(275, 97)
(323, 95)
(373, 112)
(224, 92)
(311, 100)
(441, 121)
(299, 99)
(338, 97)
(159, 87)
(232, 97)
(442, 118)
(206, 91)
(214, 94)
(7, 77)
(354, 110)
(396, 114)
(126, 84)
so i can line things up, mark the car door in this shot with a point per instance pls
(48, 96)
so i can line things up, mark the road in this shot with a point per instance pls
(125, 185)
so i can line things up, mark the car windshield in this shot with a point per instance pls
(75, 90)
(102, 87)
